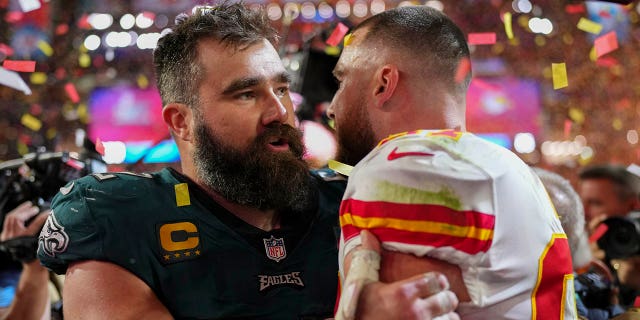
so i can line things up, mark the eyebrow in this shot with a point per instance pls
(248, 82)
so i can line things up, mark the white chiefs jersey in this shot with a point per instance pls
(458, 198)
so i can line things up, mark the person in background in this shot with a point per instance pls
(244, 230)
(611, 191)
(31, 299)
(569, 207)
(438, 198)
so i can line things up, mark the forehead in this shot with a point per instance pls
(226, 62)
(353, 53)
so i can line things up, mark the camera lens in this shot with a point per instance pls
(622, 238)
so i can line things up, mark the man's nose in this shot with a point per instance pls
(276, 111)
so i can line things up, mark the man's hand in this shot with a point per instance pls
(14, 222)
(425, 296)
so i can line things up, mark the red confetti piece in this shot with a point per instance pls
(606, 43)
(607, 62)
(149, 15)
(337, 34)
(567, 128)
(485, 85)
(482, 38)
(604, 14)
(100, 147)
(4, 3)
(83, 22)
(636, 303)
(464, 67)
(8, 51)
(72, 92)
(14, 16)
(599, 232)
(61, 29)
(20, 65)
(35, 109)
(574, 8)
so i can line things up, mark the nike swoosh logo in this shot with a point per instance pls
(66, 190)
(393, 155)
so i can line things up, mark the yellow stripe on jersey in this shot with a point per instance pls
(417, 226)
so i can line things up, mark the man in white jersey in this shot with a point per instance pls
(438, 198)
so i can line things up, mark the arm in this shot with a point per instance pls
(426, 295)
(102, 290)
(31, 300)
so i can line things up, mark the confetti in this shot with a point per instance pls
(20, 65)
(347, 39)
(29, 5)
(84, 60)
(72, 93)
(7, 50)
(574, 8)
(559, 72)
(508, 29)
(13, 80)
(340, 167)
(142, 81)
(606, 43)
(182, 194)
(45, 48)
(464, 67)
(338, 33)
(599, 232)
(567, 128)
(38, 78)
(99, 147)
(482, 38)
(589, 26)
(31, 122)
(636, 303)
(607, 62)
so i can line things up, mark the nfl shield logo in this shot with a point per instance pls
(274, 248)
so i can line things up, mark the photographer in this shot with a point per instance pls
(31, 300)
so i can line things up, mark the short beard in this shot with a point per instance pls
(256, 177)
(355, 138)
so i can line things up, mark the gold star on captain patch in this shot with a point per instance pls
(177, 255)
(197, 252)
(186, 254)
(166, 257)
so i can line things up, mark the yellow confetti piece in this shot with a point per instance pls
(508, 29)
(617, 124)
(540, 40)
(84, 60)
(143, 82)
(559, 71)
(51, 133)
(347, 39)
(587, 25)
(576, 115)
(38, 78)
(340, 167)
(182, 194)
(31, 122)
(45, 48)
(22, 148)
(567, 38)
(593, 55)
(332, 51)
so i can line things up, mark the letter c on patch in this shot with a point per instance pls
(167, 230)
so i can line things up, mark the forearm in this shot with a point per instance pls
(32, 294)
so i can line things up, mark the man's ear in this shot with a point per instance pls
(386, 81)
(178, 117)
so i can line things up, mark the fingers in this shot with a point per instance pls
(369, 241)
(425, 285)
(440, 305)
(36, 225)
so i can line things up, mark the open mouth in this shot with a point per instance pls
(279, 144)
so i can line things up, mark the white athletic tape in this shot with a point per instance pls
(363, 270)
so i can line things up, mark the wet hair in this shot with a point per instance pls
(175, 58)
(627, 185)
(425, 34)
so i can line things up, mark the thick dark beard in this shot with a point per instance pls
(256, 177)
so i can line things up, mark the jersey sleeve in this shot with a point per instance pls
(70, 233)
(420, 199)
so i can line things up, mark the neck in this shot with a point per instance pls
(266, 220)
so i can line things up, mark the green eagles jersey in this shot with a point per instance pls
(201, 261)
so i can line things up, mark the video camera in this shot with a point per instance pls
(622, 238)
(37, 177)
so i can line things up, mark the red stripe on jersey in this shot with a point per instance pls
(419, 212)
